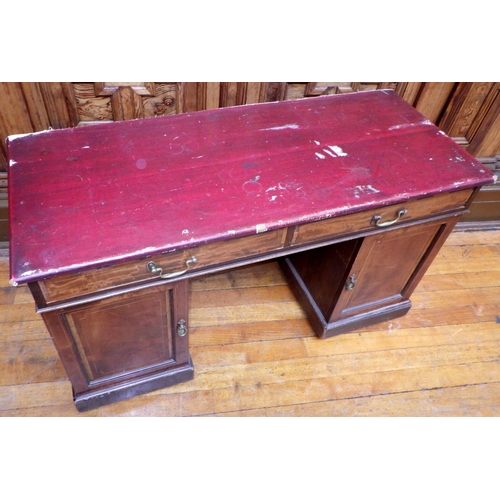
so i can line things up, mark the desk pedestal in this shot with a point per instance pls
(367, 280)
(122, 346)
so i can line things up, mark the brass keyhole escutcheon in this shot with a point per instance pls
(181, 328)
(351, 282)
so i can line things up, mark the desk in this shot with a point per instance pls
(354, 194)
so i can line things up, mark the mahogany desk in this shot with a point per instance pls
(355, 194)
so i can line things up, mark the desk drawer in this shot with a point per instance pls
(362, 221)
(135, 272)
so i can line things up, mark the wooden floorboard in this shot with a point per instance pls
(256, 355)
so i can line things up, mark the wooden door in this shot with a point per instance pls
(355, 283)
(120, 346)
(383, 269)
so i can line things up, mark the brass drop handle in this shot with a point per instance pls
(153, 268)
(351, 282)
(377, 218)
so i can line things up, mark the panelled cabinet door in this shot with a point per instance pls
(384, 269)
(118, 346)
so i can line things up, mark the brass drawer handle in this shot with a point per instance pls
(153, 268)
(376, 219)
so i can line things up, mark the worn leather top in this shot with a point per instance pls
(88, 196)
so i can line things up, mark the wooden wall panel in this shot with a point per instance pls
(59, 101)
(14, 117)
(467, 111)
(486, 140)
(31, 107)
(112, 101)
(433, 98)
(461, 116)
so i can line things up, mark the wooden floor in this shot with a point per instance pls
(255, 354)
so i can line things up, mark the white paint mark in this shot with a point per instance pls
(293, 126)
(260, 228)
(29, 273)
(272, 189)
(317, 143)
(273, 198)
(337, 150)
(85, 147)
(141, 164)
(196, 157)
(12, 162)
(185, 231)
(330, 153)
(407, 125)
(231, 231)
(18, 136)
(365, 189)
(319, 155)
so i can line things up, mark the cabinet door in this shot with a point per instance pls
(124, 345)
(385, 268)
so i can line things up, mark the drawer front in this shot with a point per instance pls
(362, 221)
(70, 286)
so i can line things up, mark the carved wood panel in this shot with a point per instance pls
(467, 111)
(112, 101)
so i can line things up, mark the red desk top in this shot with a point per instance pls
(87, 196)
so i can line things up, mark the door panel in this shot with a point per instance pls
(122, 337)
(383, 267)
(123, 334)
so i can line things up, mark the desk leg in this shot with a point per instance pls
(122, 346)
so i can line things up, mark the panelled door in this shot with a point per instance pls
(122, 338)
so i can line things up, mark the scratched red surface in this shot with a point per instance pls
(98, 194)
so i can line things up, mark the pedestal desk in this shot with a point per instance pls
(354, 194)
